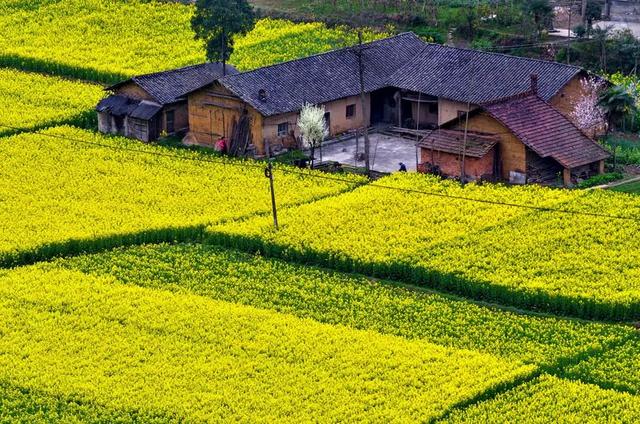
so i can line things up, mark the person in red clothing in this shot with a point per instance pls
(221, 145)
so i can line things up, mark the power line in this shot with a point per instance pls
(344, 180)
(128, 149)
(541, 44)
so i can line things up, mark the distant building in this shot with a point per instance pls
(146, 106)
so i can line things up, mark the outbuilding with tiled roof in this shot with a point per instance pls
(146, 106)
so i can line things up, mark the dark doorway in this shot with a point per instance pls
(383, 106)
(119, 122)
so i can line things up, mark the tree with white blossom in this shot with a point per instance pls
(587, 113)
(313, 127)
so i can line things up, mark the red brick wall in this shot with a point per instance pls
(449, 163)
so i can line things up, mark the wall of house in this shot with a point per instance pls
(339, 123)
(511, 151)
(566, 99)
(138, 128)
(338, 110)
(448, 110)
(449, 163)
(105, 123)
(212, 113)
(180, 117)
(270, 129)
(422, 111)
(134, 91)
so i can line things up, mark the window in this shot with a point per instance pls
(170, 118)
(283, 129)
(462, 114)
(327, 119)
(351, 111)
(433, 108)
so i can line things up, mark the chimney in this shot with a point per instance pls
(534, 83)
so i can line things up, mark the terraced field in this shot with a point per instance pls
(33, 101)
(142, 283)
(583, 261)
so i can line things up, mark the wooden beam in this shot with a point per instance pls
(222, 106)
(566, 177)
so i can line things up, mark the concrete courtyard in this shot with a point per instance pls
(385, 155)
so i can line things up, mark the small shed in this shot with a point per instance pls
(146, 106)
(130, 117)
(443, 151)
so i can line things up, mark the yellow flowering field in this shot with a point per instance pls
(108, 41)
(31, 101)
(277, 40)
(351, 300)
(616, 368)
(186, 357)
(61, 196)
(553, 400)
(573, 264)
(97, 40)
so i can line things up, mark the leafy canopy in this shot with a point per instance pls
(216, 21)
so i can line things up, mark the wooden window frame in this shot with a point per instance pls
(350, 112)
(284, 131)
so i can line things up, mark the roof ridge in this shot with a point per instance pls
(512, 97)
(184, 68)
(300, 59)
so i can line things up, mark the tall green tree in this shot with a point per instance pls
(618, 104)
(215, 22)
(541, 12)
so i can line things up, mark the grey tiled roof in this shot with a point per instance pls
(324, 77)
(124, 106)
(145, 110)
(170, 86)
(117, 105)
(475, 76)
(403, 61)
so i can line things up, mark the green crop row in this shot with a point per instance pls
(71, 335)
(63, 196)
(32, 101)
(350, 300)
(553, 400)
(615, 368)
(580, 265)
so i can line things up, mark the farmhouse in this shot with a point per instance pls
(519, 127)
(146, 106)
(518, 131)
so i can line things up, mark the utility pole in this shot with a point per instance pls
(268, 172)
(363, 102)
(463, 173)
(583, 12)
(569, 34)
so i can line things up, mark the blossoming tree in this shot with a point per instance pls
(313, 127)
